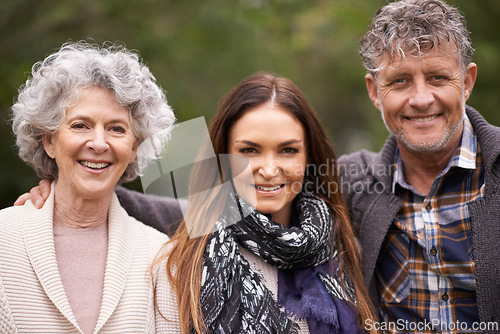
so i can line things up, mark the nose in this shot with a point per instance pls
(269, 167)
(421, 96)
(98, 141)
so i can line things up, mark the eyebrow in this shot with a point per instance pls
(286, 143)
(290, 142)
(248, 142)
(86, 118)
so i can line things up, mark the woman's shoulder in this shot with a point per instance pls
(11, 216)
(10, 231)
(12, 211)
(152, 235)
(147, 236)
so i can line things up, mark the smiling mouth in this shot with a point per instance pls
(422, 119)
(268, 188)
(94, 165)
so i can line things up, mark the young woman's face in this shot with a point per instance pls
(274, 143)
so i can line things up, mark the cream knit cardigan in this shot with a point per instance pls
(32, 297)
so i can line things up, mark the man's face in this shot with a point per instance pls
(422, 100)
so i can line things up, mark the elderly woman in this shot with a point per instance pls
(79, 265)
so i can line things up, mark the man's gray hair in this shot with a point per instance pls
(56, 83)
(414, 27)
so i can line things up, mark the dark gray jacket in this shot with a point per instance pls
(162, 213)
(366, 179)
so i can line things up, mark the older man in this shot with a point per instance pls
(427, 206)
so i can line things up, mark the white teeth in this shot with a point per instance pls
(267, 188)
(93, 165)
(425, 119)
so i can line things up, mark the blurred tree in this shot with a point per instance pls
(199, 50)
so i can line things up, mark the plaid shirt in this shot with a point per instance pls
(426, 265)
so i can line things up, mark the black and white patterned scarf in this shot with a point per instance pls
(233, 297)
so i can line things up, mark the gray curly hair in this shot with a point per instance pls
(56, 83)
(414, 27)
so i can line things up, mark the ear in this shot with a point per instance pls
(371, 87)
(469, 79)
(135, 147)
(48, 145)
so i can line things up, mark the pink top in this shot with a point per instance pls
(81, 259)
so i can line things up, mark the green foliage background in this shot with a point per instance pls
(200, 49)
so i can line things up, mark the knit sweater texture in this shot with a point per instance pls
(32, 296)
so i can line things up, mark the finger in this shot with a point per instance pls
(36, 197)
(45, 188)
(22, 199)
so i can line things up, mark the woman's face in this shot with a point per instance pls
(93, 146)
(274, 143)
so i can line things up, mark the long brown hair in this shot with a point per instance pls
(184, 263)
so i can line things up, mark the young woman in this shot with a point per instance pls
(289, 263)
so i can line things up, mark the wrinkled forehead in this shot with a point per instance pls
(405, 49)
